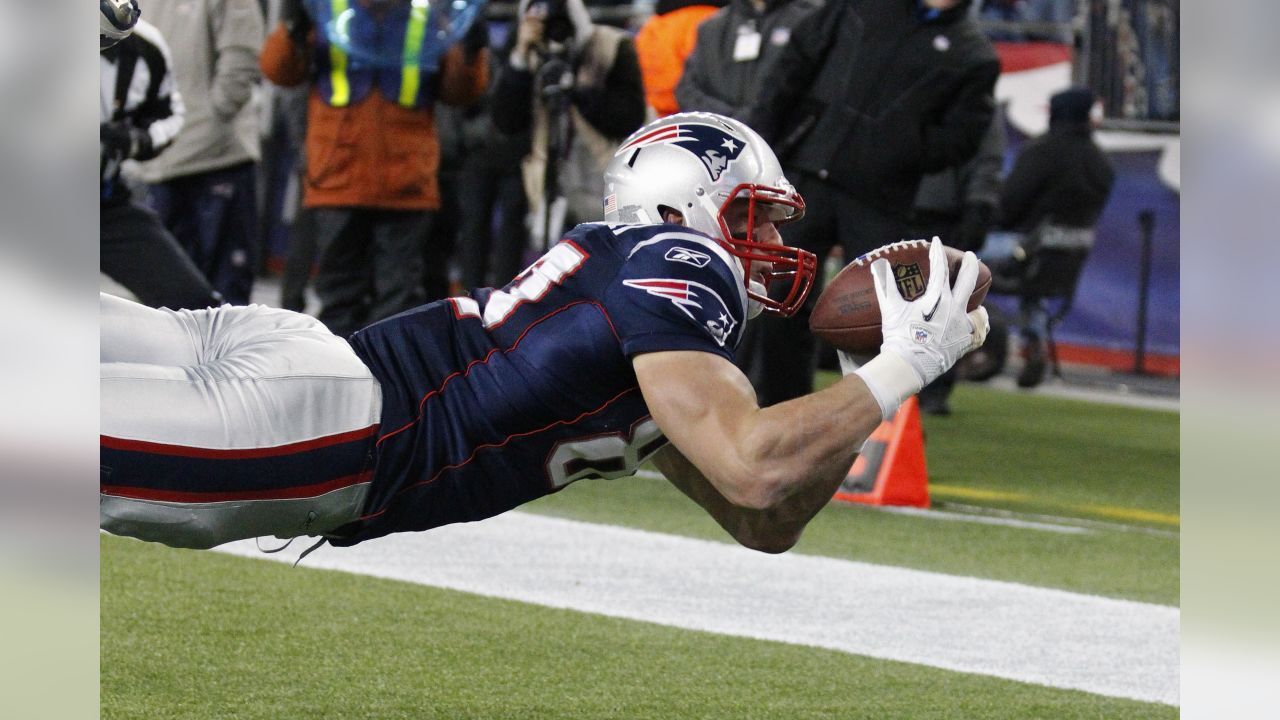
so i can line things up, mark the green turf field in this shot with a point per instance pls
(201, 635)
(984, 456)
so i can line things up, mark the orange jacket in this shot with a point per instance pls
(373, 153)
(663, 44)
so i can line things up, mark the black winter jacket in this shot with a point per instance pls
(713, 80)
(1062, 177)
(870, 96)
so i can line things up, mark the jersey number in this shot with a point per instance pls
(604, 456)
(531, 285)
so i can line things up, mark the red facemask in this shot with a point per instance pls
(793, 269)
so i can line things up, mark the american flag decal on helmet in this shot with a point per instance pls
(714, 146)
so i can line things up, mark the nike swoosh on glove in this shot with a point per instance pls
(923, 338)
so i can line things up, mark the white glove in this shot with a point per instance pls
(925, 337)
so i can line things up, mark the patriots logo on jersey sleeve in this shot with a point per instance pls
(702, 304)
(715, 147)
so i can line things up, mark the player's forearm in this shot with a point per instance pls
(788, 457)
(801, 449)
(773, 531)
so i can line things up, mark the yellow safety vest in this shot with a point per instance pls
(410, 72)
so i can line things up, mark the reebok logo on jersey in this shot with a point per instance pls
(702, 304)
(687, 256)
(715, 147)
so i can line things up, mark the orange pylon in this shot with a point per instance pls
(891, 470)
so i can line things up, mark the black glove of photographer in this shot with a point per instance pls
(971, 231)
(123, 142)
(476, 39)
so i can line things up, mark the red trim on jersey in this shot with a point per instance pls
(154, 448)
(467, 370)
(489, 446)
(582, 260)
(302, 491)
(463, 373)
(458, 312)
(609, 320)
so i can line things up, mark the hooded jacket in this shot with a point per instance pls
(1062, 177)
(873, 94)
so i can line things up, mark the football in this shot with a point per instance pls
(847, 314)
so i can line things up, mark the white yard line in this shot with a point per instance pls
(1047, 637)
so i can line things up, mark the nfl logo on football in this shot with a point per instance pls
(910, 281)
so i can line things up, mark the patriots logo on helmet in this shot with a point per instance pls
(714, 316)
(715, 147)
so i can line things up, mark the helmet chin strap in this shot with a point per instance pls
(754, 307)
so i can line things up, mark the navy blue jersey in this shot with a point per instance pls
(493, 399)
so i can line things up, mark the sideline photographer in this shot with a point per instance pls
(578, 86)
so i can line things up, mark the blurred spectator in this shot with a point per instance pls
(664, 42)
(286, 227)
(372, 154)
(490, 199)
(1053, 197)
(287, 140)
(959, 205)
(871, 97)
(204, 187)
(141, 112)
(578, 86)
(735, 50)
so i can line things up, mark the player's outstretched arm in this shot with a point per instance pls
(761, 473)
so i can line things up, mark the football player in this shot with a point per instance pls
(614, 348)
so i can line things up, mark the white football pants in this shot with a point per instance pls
(229, 423)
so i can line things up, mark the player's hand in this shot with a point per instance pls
(981, 326)
(933, 331)
(296, 20)
(923, 338)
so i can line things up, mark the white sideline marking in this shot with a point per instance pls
(1036, 635)
(935, 514)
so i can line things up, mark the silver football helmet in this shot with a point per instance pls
(698, 164)
(116, 19)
